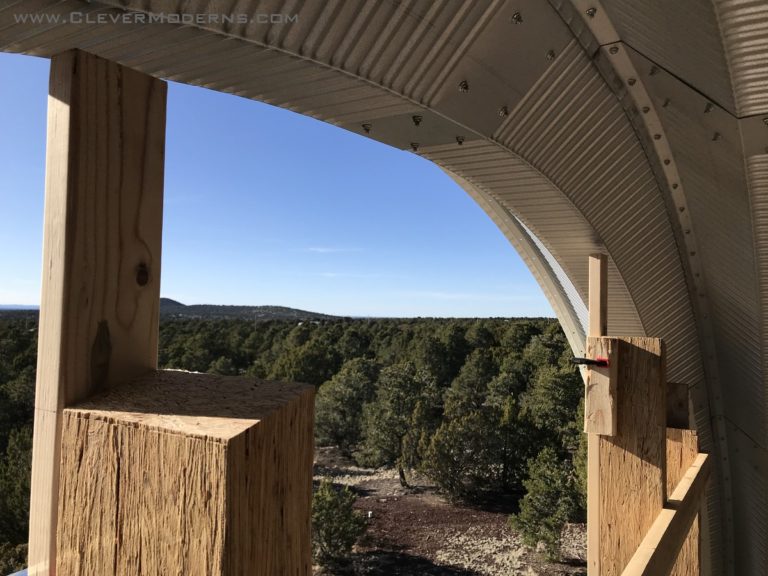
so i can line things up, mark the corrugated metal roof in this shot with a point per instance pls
(572, 128)
(712, 174)
(561, 294)
(710, 171)
(744, 28)
(578, 304)
(757, 176)
(681, 36)
(546, 212)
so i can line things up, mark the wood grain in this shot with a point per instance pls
(630, 466)
(103, 224)
(598, 295)
(598, 326)
(600, 402)
(682, 449)
(657, 552)
(185, 473)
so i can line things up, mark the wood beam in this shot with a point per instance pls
(598, 295)
(659, 550)
(101, 255)
(600, 403)
(682, 449)
(598, 323)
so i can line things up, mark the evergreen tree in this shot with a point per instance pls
(386, 420)
(340, 401)
(551, 500)
(336, 525)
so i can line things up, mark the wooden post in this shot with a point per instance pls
(101, 255)
(598, 322)
(598, 295)
(187, 473)
(626, 469)
(682, 451)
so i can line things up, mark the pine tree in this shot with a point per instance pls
(551, 501)
(340, 401)
(336, 525)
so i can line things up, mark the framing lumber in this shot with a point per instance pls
(188, 473)
(630, 466)
(598, 326)
(598, 295)
(682, 449)
(659, 550)
(101, 255)
(600, 404)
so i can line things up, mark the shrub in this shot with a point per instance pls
(339, 404)
(336, 525)
(12, 558)
(552, 499)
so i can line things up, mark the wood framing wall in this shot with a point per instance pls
(644, 479)
(627, 470)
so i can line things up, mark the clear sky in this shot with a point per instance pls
(265, 206)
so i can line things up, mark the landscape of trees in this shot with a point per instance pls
(489, 409)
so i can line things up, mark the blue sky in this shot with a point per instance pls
(265, 206)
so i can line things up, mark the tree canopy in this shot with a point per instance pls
(485, 407)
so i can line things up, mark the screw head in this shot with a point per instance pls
(708, 108)
(517, 18)
(551, 55)
(503, 112)
(463, 86)
(459, 140)
(367, 128)
(415, 146)
(417, 120)
(591, 12)
(716, 136)
(631, 81)
(613, 50)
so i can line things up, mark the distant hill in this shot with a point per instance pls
(173, 309)
(170, 309)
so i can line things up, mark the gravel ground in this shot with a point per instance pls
(414, 531)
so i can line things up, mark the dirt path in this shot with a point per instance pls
(416, 532)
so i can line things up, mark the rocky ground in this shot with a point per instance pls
(414, 531)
